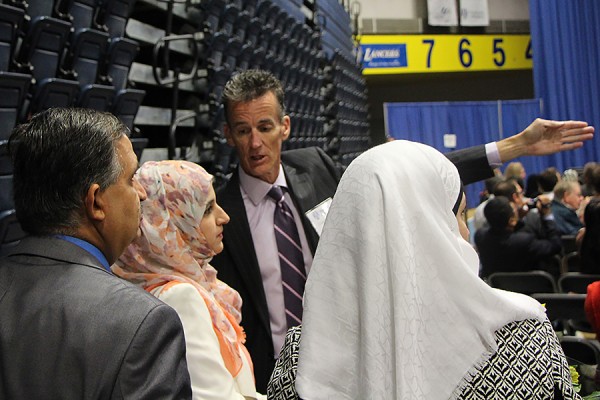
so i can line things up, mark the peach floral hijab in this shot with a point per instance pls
(171, 247)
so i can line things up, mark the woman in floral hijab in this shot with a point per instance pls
(180, 231)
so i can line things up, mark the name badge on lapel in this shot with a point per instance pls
(317, 214)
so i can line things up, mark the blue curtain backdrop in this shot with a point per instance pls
(565, 37)
(473, 123)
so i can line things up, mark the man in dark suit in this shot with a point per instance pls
(71, 329)
(256, 125)
(504, 246)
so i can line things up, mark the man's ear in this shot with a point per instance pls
(227, 133)
(286, 122)
(95, 203)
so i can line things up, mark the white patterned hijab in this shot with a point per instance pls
(393, 307)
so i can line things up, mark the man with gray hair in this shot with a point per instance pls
(71, 329)
(566, 204)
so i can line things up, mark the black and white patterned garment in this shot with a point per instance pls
(282, 385)
(529, 364)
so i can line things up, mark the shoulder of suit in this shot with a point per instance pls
(108, 289)
(299, 153)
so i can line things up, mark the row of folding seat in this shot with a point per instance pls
(303, 102)
(241, 35)
(349, 144)
(58, 54)
(46, 61)
(10, 230)
(337, 33)
(349, 111)
(107, 15)
(302, 142)
(306, 125)
(346, 109)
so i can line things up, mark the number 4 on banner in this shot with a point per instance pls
(528, 52)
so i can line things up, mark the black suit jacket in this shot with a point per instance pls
(311, 177)
(71, 330)
(516, 251)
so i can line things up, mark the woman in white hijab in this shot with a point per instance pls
(394, 308)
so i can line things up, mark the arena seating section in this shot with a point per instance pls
(160, 66)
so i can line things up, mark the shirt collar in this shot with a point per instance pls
(257, 189)
(90, 248)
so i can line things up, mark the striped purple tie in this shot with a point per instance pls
(291, 261)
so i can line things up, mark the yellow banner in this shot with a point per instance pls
(408, 54)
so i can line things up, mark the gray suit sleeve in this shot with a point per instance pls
(154, 366)
(472, 164)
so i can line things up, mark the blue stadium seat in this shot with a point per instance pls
(139, 144)
(244, 57)
(232, 51)
(97, 97)
(218, 79)
(40, 8)
(126, 105)
(250, 6)
(113, 14)
(87, 50)
(6, 193)
(53, 92)
(253, 31)
(228, 18)
(13, 89)
(10, 22)
(43, 46)
(81, 13)
(6, 165)
(241, 25)
(217, 48)
(212, 15)
(121, 53)
(10, 231)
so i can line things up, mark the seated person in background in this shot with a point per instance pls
(516, 171)
(489, 187)
(546, 182)
(527, 211)
(587, 187)
(570, 175)
(385, 317)
(566, 203)
(478, 217)
(595, 179)
(532, 186)
(181, 230)
(590, 243)
(505, 247)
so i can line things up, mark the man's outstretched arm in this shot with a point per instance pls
(544, 137)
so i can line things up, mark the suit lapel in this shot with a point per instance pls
(303, 192)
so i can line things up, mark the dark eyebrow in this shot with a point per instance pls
(209, 205)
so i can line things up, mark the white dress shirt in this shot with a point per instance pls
(260, 209)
